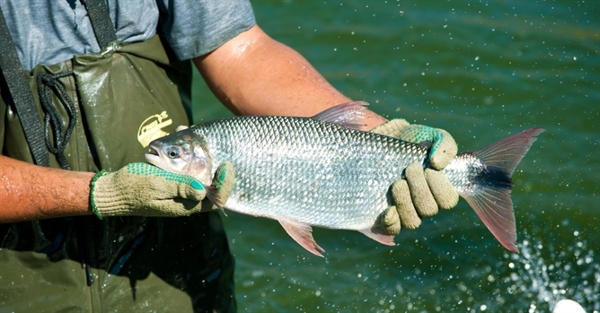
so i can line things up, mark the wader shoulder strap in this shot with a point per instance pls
(21, 95)
(101, 23)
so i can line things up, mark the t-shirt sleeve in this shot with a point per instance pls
(196, 27)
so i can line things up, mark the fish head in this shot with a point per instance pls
(182, 152)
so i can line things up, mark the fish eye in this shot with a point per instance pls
(173, 152)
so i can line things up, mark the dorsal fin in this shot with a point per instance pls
(348, 115)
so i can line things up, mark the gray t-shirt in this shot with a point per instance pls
(51, 31)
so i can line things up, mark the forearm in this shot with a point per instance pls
(253, 74)
(30, 192)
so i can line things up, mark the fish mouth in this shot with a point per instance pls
(153, 156)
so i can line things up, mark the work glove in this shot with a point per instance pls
(422, 191)
(142, 189)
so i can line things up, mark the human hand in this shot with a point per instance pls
(423, 191)
(141, 189)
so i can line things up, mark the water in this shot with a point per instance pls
(481, 70)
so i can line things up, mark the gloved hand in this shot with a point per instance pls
(141, 189)
(422, 192)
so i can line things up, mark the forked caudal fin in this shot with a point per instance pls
(492, 201)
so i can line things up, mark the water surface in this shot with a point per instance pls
(481, 70)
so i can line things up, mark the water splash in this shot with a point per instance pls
(543, 275)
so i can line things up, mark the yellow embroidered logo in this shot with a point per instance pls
(152, 128)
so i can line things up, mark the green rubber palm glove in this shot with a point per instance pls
(423, 191)
(141, 189)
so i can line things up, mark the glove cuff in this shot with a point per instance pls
(93, 193)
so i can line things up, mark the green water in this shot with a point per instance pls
(481, 70)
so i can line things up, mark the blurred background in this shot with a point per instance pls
(481, 70)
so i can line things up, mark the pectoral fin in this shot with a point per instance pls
(387, 240)
(215, 198)
(302, 233)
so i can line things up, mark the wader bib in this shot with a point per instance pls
(100, 111)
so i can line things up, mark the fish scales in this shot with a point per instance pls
(313, 172)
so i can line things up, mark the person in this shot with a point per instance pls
(86, 225)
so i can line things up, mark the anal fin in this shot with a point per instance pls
(387, 240)
(302, 233)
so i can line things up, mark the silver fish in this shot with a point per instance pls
(322, 171)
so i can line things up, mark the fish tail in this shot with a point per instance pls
(492, 202)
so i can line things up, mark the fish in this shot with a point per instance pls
(326, 171)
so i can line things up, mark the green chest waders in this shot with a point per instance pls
(100, 111)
